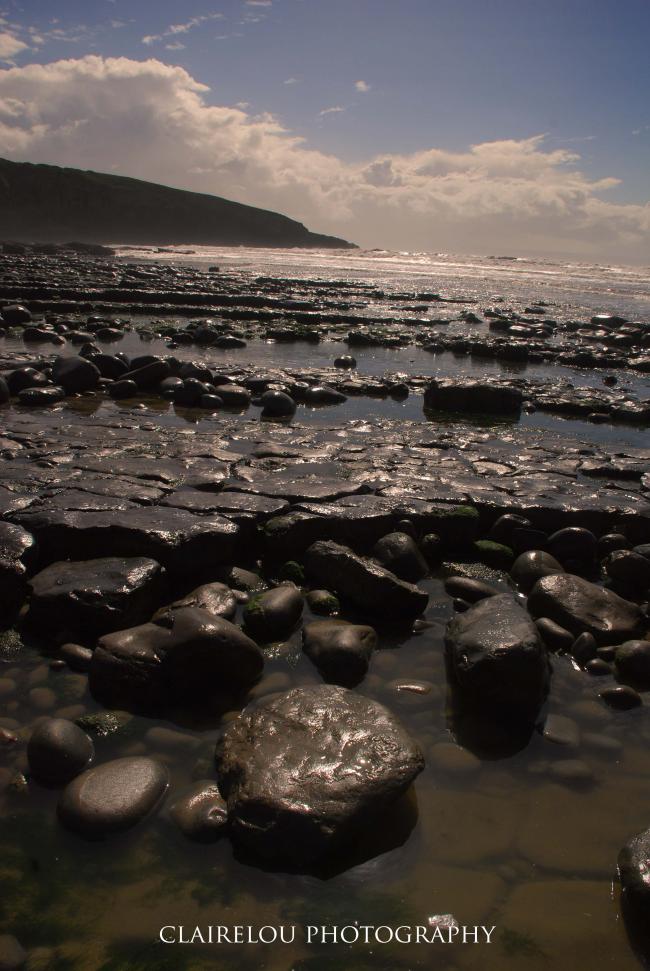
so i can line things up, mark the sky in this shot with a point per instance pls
(506, 127)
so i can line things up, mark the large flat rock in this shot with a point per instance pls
(92, 597)
(178, 540)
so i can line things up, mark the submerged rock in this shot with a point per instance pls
(93, 597)
(498, 659)
(341, 651)
(201, 813)
(580, 606)
(112, 797)
(364, 582)
(304, 771)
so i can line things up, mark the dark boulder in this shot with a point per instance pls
(632, 661)
(110, 366)
(75, 374)
(573, 543)
(531, 566)
(634, 876)
(277, 404)
(498, 660)
(341, 651)
(25, 377)
(123, 389)
(187, 656)
(580, 606)
(399, 553)
(57, 751)
(15, 314)
(149, 374)
(112, 797)
(304, 772)
(629, 568)
(364, 582)
(41, 397)
(273, 614)
(474, 397)
(93, 597)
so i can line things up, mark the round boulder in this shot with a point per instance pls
(341, 651)
(58, 751)
(112, 797)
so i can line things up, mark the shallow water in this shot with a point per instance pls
(496, 838)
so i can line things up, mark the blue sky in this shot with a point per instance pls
(366, 81)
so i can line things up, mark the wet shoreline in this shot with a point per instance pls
(521, 830)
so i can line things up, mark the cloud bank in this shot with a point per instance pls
(153, 121)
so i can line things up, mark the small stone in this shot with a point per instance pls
(201, 813)
(555, 637)
(571, 772)
(76, 656)
(584, 648)
(339, 650)
(561, 730)
(323, 602)
(621, 698)
(451, 758)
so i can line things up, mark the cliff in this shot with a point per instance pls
(52, 204)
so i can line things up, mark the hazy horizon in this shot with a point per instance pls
(425, 126)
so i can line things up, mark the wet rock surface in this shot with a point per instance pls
(498, 659)
(303, 772)
(95, 597)
(583, 607)
(112, 797)
(189, 654)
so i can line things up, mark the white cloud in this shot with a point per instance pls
(291, 81)
(153, 121)
(175, 46)
(175, 29)
(362, 86)
(10, 45)
(259, 3)
(334, 110)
